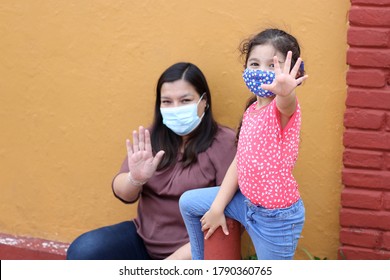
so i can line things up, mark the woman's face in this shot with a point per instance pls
(180, 93)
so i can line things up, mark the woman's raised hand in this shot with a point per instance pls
(285, 80)
(142, 164)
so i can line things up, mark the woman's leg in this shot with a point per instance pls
(116, 242)
(275, 232)
(195, 203)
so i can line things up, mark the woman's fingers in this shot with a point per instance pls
(135, 141)
(148, 144)
(157, 159)
(141, 138)
(129, 148)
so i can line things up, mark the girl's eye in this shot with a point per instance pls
(271, 65)
(254, 64)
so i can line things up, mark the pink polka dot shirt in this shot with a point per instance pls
(266, 156)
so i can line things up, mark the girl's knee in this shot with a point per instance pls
(185, 201)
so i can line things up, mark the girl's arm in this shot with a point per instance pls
(284, 87)
(215, 216)
(286, 106)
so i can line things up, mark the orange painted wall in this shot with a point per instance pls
(77, 76)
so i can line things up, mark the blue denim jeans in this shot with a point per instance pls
(274, 232)
(116, 242)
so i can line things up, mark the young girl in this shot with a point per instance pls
(259, 189)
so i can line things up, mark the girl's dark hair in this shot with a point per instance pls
(281, 41)
(162, 138)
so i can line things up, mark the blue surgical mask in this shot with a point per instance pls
(255, 78)
(182, 120)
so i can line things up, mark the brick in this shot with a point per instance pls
(363, 158)
(369, 57)
(372, 179)
(374, 78)
(364, 119)
(388, 121)
(357, 253)
(360, 237)
(387, 161)
(366, 139)
(362, 199)
(369, 16)
(368, 98)
(386, 200)
(371, 2)
(386, 240)
(368, 37)
(365, 219)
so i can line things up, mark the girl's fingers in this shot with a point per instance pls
(287, 63)
(209, 233)
(295, 69)
(277, 66)
(301, 79)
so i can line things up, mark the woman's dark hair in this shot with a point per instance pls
(162, 138)
(281, 41)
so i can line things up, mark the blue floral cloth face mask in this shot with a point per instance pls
(255, 78)
(182, 120)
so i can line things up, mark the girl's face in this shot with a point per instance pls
(180, 93)
(261, 57)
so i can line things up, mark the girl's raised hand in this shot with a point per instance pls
(285, 80)
(142, 164)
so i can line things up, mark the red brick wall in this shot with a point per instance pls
(365, 199)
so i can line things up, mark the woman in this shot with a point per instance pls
(185, 149)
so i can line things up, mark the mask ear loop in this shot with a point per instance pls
(207, 104)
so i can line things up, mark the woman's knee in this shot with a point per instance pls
(84, 247)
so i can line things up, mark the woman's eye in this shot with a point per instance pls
(186, 101)
(165, 102)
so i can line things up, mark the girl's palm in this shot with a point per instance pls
(285, 80)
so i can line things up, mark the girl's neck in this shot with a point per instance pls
(262, 102)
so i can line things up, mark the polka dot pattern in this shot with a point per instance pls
(255, 78)
(266, 156)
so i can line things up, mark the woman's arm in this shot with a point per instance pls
(183, 253)
(124, 189)
(141, 163)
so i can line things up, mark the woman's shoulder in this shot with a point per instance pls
(224, 143)
(225, 138)
(225, 132)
